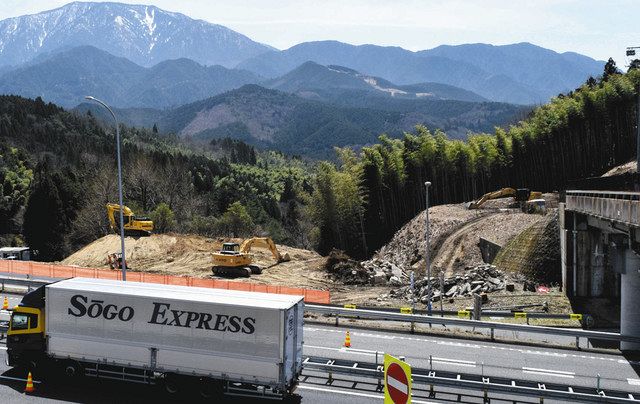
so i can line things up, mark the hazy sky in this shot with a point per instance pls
(592, 27)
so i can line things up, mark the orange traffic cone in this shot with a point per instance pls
(29, 387)
(5, 304)
(347, 340)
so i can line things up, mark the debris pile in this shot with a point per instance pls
(345, 270)
(483, 278)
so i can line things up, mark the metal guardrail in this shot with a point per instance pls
(423, 319)
(467, 313)
(623, 207)
(29, 283)
(420, 319)
(476, 382)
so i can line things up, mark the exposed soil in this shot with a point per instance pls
(454, 234)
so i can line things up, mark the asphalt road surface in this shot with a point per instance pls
(492, 359)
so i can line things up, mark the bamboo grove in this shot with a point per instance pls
(360, 203)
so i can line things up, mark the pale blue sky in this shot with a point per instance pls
(595, 28)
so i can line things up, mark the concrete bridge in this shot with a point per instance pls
(600, 247)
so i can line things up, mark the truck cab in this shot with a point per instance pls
(26, 334)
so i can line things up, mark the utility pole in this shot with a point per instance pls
(427, 185)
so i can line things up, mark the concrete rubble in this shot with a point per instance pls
(483, 278)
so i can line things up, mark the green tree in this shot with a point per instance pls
(236, 221)
(45, 221)
(610, 69)
(163, 218)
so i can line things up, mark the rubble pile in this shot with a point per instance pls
(407, 248)
(483, 278)
(385, 273)
(345, 270)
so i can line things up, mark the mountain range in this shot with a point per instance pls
(66, 77)
(145, 35)
(287, 122)
(520, 73)
(205, 81)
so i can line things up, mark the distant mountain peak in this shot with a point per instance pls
(144, 34)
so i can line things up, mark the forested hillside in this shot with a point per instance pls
(58, 171)
(358, 205)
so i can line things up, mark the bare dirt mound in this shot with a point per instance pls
(179, 254)
(407, 248)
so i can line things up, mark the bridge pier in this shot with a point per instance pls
(630, 299)
(600, 246)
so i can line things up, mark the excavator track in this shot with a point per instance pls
(232, 272)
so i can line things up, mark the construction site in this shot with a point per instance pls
(498, 249)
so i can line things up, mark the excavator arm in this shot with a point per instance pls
(501, 193)
(264, 242)
(521, 195)
(132, 224)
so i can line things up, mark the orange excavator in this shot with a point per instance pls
(235, 260)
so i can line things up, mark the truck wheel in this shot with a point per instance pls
(72, 369)
(209, 388)
(171, 384)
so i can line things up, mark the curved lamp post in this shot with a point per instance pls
(124, 261)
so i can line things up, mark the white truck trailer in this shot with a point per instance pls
(225, 341)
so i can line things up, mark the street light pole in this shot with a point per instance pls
(427, 185)
(124, 261)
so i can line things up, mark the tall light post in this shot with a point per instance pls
(631, 51)
(124, 261)
(426, 234)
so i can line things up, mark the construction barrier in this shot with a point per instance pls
(35, 269)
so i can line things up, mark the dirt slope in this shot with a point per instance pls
(460, 249)
(179, 254)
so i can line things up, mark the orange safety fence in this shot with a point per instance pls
(33, 268)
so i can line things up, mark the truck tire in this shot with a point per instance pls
(172, 384)
(73, 369)
(209, 388)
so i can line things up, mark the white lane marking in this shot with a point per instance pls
(560, 355)
(547, 372)
(361, 334)
(634, 382)
(346, 350)
(397, 384)
(4, 348)
(353, 393)
(458, 344)
(456, 362)
(348, 393)
(312, 329)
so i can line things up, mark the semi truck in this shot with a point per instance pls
(178, 337)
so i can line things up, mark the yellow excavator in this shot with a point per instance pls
(235, 260)
(133, 225)
(529, 201)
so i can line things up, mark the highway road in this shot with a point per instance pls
(492, 359)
